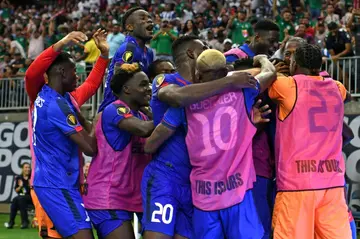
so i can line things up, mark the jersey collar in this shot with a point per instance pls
(245, 48)
(180, 79)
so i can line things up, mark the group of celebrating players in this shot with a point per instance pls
(200, 162)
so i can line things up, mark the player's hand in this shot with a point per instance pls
(74, 37)
(282, 67)
(100, 41)
(240, 80)
(334, 58)
(260, 113)
(259, 59)
(20, 183)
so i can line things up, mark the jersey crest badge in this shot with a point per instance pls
(159, 80)
(127, 56)
(71, 120)
(122, 110)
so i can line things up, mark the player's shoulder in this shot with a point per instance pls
(117, 106)
(127, 51)
(163, 80)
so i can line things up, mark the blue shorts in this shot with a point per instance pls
(167, 206)
(106, 221)
(65, 209)
(263, 199)
(237, 222)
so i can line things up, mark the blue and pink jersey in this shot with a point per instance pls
(171, 160)
(219, 141)
(115, 172)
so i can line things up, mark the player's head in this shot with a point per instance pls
(62, 73)
(131, 84)
(160, 66)
(138, 23)
(333, 28)
(291, 45)
(266, 37)
(210, 65)
(307, 60)
(186, 50)
(26, 169)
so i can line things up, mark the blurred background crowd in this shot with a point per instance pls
(26, 30)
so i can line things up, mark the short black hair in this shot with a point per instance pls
(266, 25)
(128, 14)
(308, 56)
(120, 77)
(178, 43)
(332, 26)
(62, 58)
(153, 67)
(243, 64)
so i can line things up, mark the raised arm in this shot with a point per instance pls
(34, 76)
(177, 96)
(86, 90)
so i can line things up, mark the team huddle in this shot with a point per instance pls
(211, 146)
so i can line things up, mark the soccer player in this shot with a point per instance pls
(160, 66)
(113, 190)
(59, 131)
(221, 157)
(34, 80)
(139, 27)
(265, 41)
(309, 163)
(165, 185)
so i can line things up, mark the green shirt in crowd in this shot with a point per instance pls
(163, 42)
(23, 42)
(314, 4)
(284, 25)
(240, 31)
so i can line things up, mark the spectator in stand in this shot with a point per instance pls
(16, 47)
(331, 16)
(91, 52)
(227, 45)
(17, 63)
(338, 42)
(190, 28)
(168, 13)
(214, 42)
(240, 28)
(284, 22)
(320, 35)
(36, 44)
(115, 38)
(23, 200)
(162, 41)
(314, 7)
(301, 32)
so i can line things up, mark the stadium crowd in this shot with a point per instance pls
(26, 31)
(201, 152)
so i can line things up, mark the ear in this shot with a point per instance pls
(129, 27)
(126, 89)
(190, 54)
(257, 37)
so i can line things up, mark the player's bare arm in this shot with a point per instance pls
(157, 138)
(136, 126)
(177, 96)
(268, 72)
